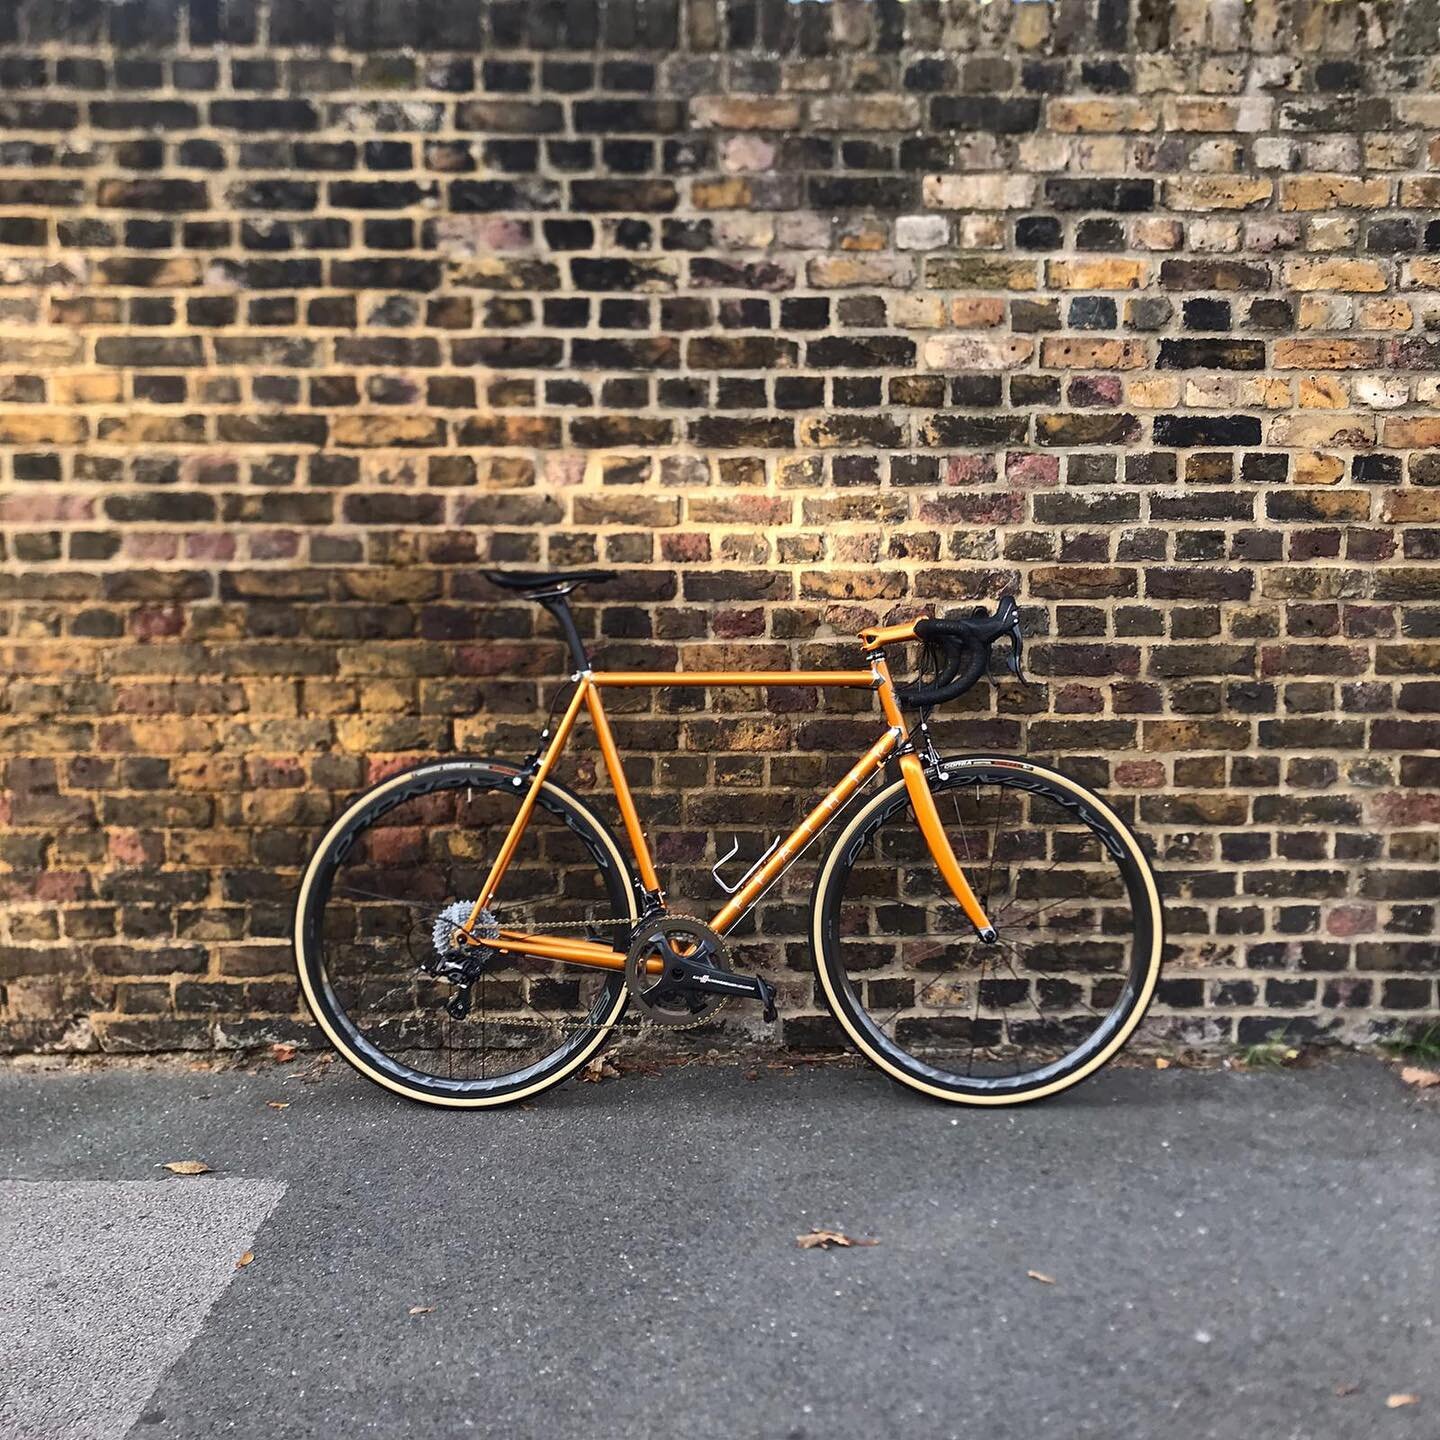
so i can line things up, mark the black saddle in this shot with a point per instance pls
(538, 583)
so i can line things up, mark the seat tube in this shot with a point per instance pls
(917, 787)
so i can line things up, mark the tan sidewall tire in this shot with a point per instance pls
(339, 1041)
(860, 1041)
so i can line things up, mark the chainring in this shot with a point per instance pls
(668, 938)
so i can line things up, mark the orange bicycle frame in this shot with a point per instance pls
(587, 695)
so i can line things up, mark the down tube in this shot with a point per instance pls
(807, 830)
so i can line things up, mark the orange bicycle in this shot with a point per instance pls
(984, 929)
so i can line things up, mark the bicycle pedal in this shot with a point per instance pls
(767, 999)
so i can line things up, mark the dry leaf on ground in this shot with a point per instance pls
(245, 1259)
(187, 1167)
(1161, 1063)
(277, 1104)
(598, 1070)
(1394, 1402)
(1420, 1079)
(421, 1310)
(283, 1052)
(819, 1239)
(1041, 1276)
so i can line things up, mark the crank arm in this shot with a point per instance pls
(702, 979)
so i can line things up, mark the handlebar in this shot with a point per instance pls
(965, 645)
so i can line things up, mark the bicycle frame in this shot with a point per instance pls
(588, 688)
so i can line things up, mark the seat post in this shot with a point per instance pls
(558, 605)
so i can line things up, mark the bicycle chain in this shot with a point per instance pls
(624, 1027)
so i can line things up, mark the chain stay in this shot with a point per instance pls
(624, 1027)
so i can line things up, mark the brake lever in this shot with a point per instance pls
(1008, 612)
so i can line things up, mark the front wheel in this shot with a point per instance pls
(1077, 916)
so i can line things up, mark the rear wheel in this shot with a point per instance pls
(397, 872)
(1078, 922)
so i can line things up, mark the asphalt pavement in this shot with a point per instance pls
(1193, 1255)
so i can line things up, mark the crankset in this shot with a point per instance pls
(675, 977)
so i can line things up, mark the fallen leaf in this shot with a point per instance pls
(1161, 1063)
(421, 1310)
(278, 1104)
(187, 1167)
(599, 1069)
(1394, 1402)
(282, 1052)
(1040, 1275)
(1420, 1079)
(245, 1259)
(819, 1239)
(1347, 1387)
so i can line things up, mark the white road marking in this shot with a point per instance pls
(103, 1285)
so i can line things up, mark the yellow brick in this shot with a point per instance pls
(744, 112)
(37, 427)
(1411, 432)
(140, 428)
(866, 235)
(978, 192)
(837, 271)
(1406, 506)
(976, 352)
(1331, 192)
(1423, 272)
(1104, 274)
(1218, 116)
(1420, 192)
(977, 313)
(918, 312)
(107, 389)
(1263, 392)
(1077, 116)
(979, 272)
(1312, 468)
(1386, 315)
(1326, 354)
(1347, 432)
(380, 430)
(1057, 353)
(1322, 392)
(1348, 275)
(865, 112)
(1030, 27)
(1159, 393)
(1217, 192)
(731, 194)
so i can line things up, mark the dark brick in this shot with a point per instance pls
(1008, 116)
(1089, 193)
(250, 116)
(1187, 430)
(1211, 355)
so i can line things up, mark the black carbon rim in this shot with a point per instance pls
(993, 1022)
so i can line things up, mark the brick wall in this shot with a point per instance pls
(802, 315)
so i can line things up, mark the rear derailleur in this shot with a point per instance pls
(459, 965)
(675, 976)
